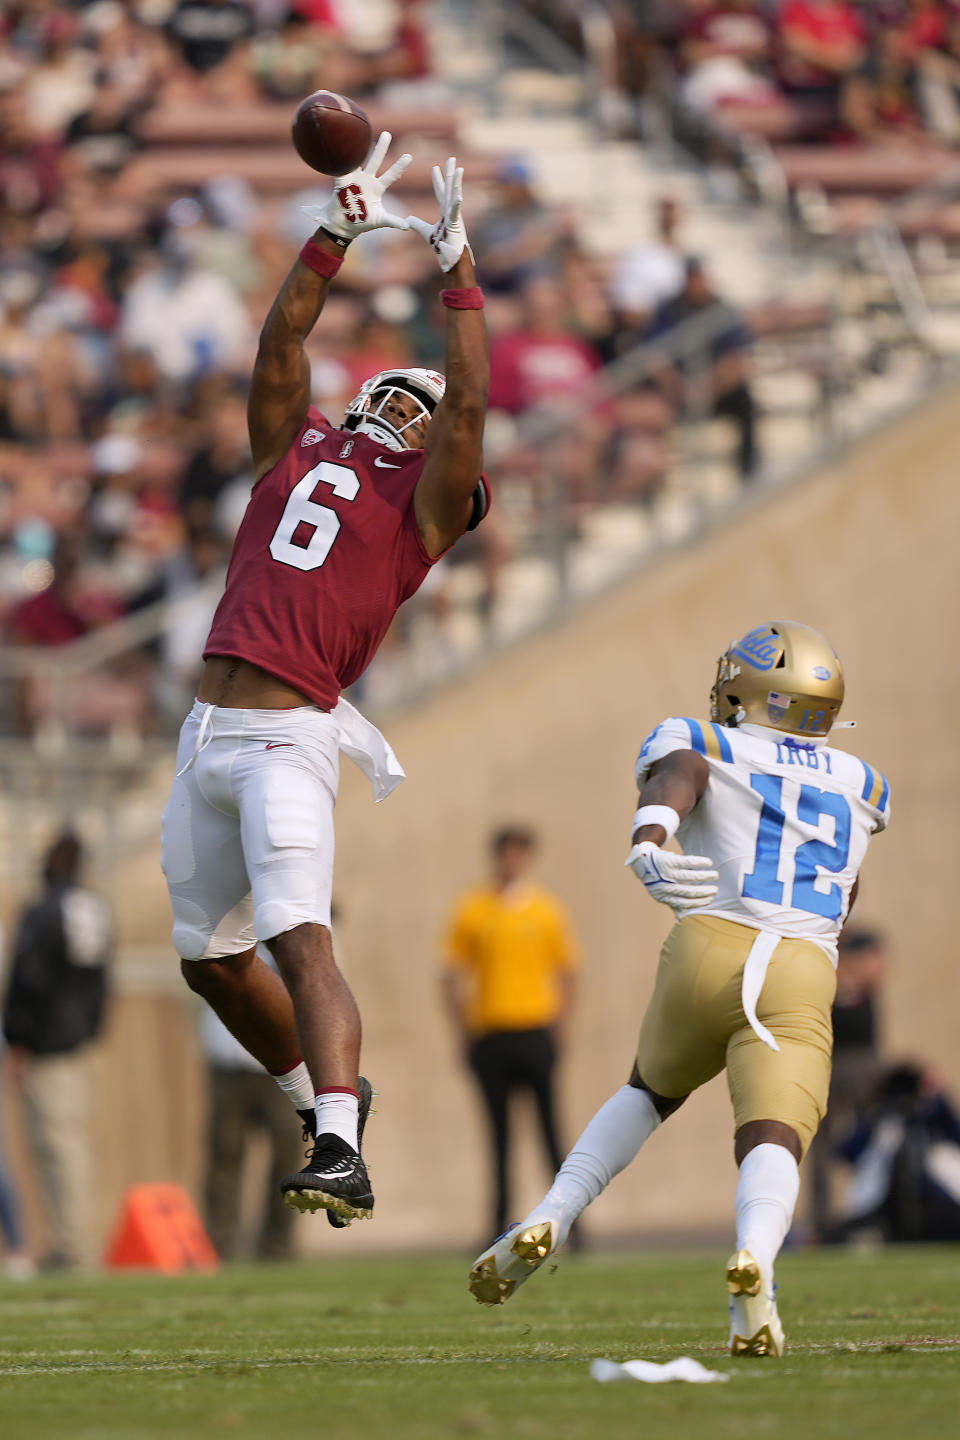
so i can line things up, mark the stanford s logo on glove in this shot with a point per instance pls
(351, 198)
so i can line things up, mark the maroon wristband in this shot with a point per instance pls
(469, 298)
(319, 261)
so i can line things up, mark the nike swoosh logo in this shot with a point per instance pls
(279, 744)
(385, 464)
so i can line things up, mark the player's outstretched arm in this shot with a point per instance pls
(280, 385)
(454, 445)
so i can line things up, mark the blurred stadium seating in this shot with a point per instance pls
(150, 204)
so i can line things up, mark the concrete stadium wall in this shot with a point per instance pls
(548, 734)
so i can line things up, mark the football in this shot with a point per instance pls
(331, 133)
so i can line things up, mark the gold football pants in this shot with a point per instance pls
(695, 1024)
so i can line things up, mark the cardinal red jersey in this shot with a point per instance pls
(328, 549)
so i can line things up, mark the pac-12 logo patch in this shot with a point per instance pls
(312, 437)
(820, 672)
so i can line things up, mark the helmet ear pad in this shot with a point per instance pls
(782, 675)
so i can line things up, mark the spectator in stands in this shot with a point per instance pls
(820, 41)
(508, 983)
(379, 344)
(53, 1012)
(111, 510)
(727, 53)
(406, 59)
(517, 236)
(61, 84)
(222, 459)
(940, 83)
(140, 401)
(29, 162)
(192, 320)
(211, 38)
(820, 44)
(80, 295)
(925, 22)
(862, 970)
(541, 360)
(190, 584)
(639, 454)
(647, 276)
(882, 103)
(245, 1105)
(288, 61)
(101, 137)
(67, 608)
(23, 401)
(713, 379)
(130, 55)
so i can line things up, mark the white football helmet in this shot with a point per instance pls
(366, 413)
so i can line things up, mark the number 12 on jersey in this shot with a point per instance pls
(810, 857)
(302, 510)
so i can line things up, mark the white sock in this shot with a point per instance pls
(337, 1114)
(766, 1196)
(296, 1083)
(611, 1140)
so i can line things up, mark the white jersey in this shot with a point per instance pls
(785, 821)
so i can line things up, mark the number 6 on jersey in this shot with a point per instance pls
(302, 510)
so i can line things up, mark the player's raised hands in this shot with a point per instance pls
(684, 882)
(357, 204)
(447, 237)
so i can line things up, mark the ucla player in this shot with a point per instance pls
(774, 825)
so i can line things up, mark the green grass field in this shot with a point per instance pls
(368, 1348)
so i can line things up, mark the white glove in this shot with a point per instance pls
(448, 238)
(357, 204)
(684, 882)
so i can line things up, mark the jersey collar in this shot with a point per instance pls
(782, 737)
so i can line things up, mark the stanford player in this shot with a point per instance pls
(342, 526)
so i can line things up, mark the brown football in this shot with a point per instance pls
(331, 133)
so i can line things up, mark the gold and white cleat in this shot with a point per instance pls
(755, 1327)
(510, 1260)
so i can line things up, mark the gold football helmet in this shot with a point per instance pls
(782, 675)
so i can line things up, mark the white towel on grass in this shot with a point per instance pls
(682, 1368)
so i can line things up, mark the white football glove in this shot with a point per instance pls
(356, 203)
(447, 238)
(684, 882)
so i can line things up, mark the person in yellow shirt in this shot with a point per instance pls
(508, 982)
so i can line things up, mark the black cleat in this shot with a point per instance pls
(334, 1178)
